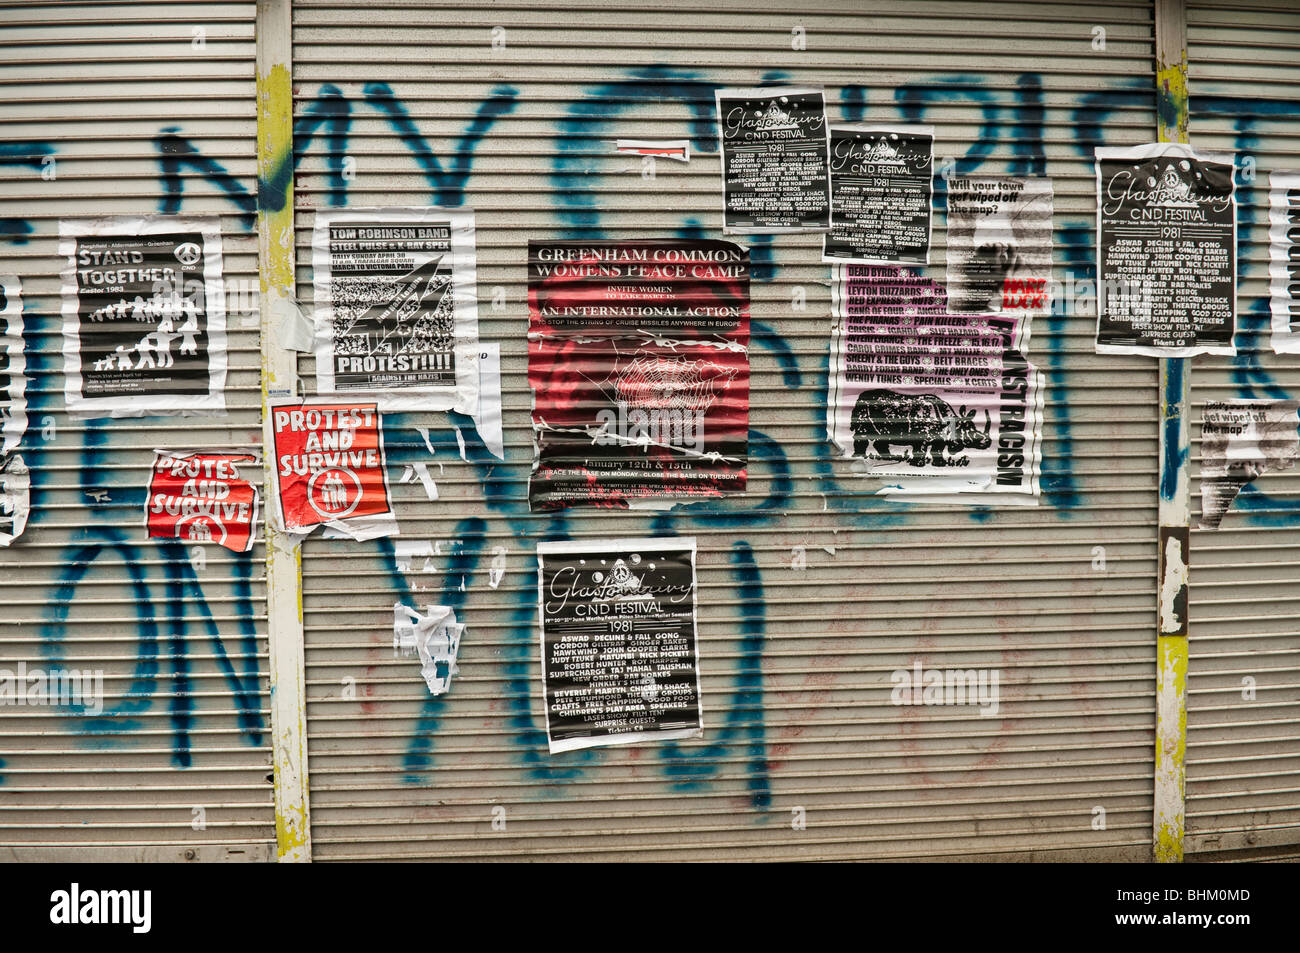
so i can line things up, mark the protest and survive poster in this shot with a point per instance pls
(1166, 251)
(331, 470)
(144, 319)
(999, 244)
(1284, 260)
(775, 159)
(881, 185)
(202, 497)
(396, 307)
(1240, 441)
(638, 364)
(932, 402)
(618, 640)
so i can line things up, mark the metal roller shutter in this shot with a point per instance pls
(130, 108)
(1243, 750)
(411, 103)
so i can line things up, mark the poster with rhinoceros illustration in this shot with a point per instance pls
(929, 402)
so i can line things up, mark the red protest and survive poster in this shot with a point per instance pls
(201, 497)
(329, 463)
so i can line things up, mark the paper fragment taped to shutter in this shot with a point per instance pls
(434, 636)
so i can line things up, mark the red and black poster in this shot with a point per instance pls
(331, 470)
(639, 366)
(203, 497)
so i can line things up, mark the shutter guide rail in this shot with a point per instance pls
(280, 379)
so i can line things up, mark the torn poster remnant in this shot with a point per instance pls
(419, 472)
(397, 307)
(331, 470)
(1284, 260)
(144, 317)
(15, 478)
(1240, 441)
(13, 365)
(487, 421)
(620, 663)
(434, 636)
(15, 497)
(200, 497)
(679, 150)
(408, 552)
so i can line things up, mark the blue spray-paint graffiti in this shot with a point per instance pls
(168, 597)
(579, 214)
(689, 769)
(1249, 375)
(32, 155)
(175, 152)
(1172, 402)
(332, 110)
(1017, 119)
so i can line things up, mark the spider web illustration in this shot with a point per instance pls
(670, 383)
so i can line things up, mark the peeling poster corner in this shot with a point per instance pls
(294, 330)
(434, 636)
(1240, 441)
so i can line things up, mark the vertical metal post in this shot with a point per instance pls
(280, 379)
(1175, 491)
